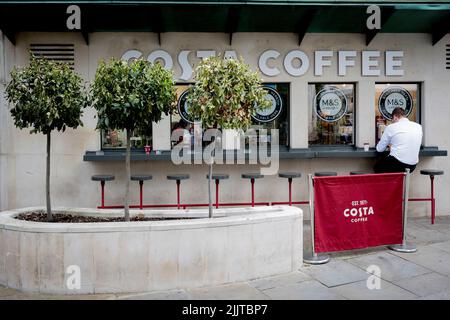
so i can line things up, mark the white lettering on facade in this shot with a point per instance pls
(369, 65)
(392, 64)
(202, 54)
(319, 61)
(304, 63)
(161, 55)
(344, 62)
(230, 54)
(296, 62)
(263, 63)
(184, 64)
(131, 54)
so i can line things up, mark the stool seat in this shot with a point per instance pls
(353, 173)
(141, 177)
(178, 176)
(218, 176)
(325, 173)
(252, 175)
(290, 175)
(103, 177)
(430, 172)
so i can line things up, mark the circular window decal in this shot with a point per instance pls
(271, 113)
(183, 107)
(393, 97)
(330, 104)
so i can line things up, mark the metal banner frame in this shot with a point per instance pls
(405, 247)
(314, 258)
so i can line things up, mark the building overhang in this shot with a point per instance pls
(228, 16)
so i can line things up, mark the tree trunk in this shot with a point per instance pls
(210, 206)
(47, 181)
(127, 177)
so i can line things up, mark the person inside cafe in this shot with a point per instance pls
(402, 139)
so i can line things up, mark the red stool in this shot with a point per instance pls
(432, 173)
(141, 178)
(252, 177)
(102, 178)
(178, 178)
(217, 177)
(290, 176)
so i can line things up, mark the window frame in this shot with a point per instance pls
(419, 90)
(355, 107)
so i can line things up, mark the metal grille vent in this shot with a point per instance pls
(55, 52)
(447, 56)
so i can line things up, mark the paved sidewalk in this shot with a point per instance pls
(421, 275)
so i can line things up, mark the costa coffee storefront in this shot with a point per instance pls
(332, 85)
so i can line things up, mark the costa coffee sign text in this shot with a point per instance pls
(296, 62)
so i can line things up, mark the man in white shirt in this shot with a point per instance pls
(403, 137)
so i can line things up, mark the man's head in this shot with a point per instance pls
(397, 114)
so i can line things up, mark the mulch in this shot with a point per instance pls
(68, 218)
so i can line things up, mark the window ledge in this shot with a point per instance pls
(285, 153)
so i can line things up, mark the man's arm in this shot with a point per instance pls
(384, 141)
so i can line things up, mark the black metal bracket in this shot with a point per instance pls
(232, 23)
(157, 23)
(440, 29)
(386, 14)
(10, 35)
(304, 23)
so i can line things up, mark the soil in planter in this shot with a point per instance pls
(69, 218)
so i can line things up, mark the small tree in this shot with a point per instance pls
(131, 97)
(46, 96)
(226, 94)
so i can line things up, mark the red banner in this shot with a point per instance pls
(354, 212)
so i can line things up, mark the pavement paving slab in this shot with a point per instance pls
(335, 273)
(444, 295)
(360, 291)
(392, 267)
(163, 295)
(279, 281)
(237, 291)
(445, 246)
(429, 257)
(306, 290)
(420, 235)
(425, 285)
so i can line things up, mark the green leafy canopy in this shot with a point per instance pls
(46, 95)
(226, 93)
(132, 96)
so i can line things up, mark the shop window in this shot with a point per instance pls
(276, 117)
(116, 139)
(181, 119)
(331, 114)
(388, 96)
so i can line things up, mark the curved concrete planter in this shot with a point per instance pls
(238, 245)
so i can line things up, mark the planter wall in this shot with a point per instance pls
(242, 244)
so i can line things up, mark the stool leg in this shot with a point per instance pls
(253, 191)
(178, 194)
(102, 183)
(217, 193)
(432, 200)
(141, 187)
(290, 191)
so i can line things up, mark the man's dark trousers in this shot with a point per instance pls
(389, 163)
